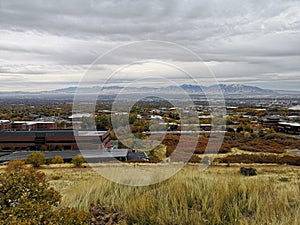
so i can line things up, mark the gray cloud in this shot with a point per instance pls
(246, 41)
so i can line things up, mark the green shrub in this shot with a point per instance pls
(248, 171)
(57, 160)
(78, 160)
(36, 159)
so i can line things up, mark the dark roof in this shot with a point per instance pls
(104, 153)
(136, 156)
(16, 133)
(22, 155)
(68, 154)
(4, 153)
(48, 133)
(34, 133)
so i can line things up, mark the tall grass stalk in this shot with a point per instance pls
(192, 197)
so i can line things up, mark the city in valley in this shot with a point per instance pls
(257, 130)
(120, 112)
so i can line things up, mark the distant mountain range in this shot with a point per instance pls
(227, 89)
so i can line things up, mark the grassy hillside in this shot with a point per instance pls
(214, 196)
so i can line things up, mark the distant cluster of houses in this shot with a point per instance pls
(281, 126)
(45, 135)
(273, 120)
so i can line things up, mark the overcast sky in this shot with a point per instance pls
(46, 45)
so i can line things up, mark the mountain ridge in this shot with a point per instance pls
(227, 89)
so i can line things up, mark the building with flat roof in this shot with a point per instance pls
(33, 125)
(27, 125)
(54, 139)
(271, 122)
(286, 127)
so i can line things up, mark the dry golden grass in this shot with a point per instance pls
(214, 196)
(63, 178)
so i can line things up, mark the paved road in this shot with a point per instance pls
(295, 151)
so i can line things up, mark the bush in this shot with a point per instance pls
(15, 166)
(195, 159)
(247, 134)
(44, 148)
(78, 160)
(36, 159)
(25, 198)
(57, 160)
(261, 158)
(289, 159)
(248, 171)
(153, 159)
(158, 153)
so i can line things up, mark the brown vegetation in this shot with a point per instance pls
(104, 215)
(261, 158)
(272, 143)
(25, 198)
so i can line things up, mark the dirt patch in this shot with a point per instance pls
(103, 215)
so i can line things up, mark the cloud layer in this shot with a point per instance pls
(50, 44)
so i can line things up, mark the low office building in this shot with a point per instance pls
(33, 125)
(27, 125)
(290, 128)
(54, 139)
(271, 122)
